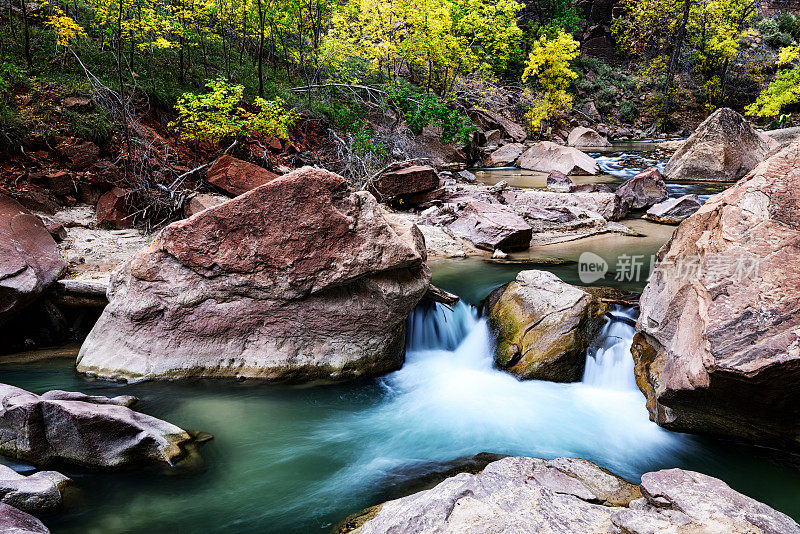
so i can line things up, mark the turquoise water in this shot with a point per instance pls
(300, 458)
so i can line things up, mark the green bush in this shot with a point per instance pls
(773, 35)
(421, 110)
(628, 111)
(93, 126)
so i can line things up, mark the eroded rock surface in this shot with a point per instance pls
(14, 521)
(723, 148)
(298, 279)
(586, 137)
(718, 343)
(517, 494)
(36, 493)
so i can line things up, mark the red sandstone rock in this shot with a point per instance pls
(235, 176)
(299, 278)
(114, 209)
(718, 343)
(29, 257)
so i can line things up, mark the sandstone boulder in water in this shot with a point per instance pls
(565, 495)
(29, 258)
(723, 148)
(546, 156)
(14, 521)
(643, 190)
(586, 137)
(543, 326)
(40, 430)
(505, 156)
(297, 279)
(718, 343)
(674, 210)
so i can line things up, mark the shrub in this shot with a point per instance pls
(218, 114)
(421, 110)
(628, 111)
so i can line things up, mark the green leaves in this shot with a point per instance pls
(421, 110)
(217, 114)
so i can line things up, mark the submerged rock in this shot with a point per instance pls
(14, 521)
(29, 257)
(718, 343)
(38, 429)
(236, 177)
(674, 210)
(36, 493)
(643, 190)
(518, 494)
(543, 326)
(586, 137)
(297, 279)
(723, 148)
(546, 156)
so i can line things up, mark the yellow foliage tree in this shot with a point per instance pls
(549, 67)
(67, 30)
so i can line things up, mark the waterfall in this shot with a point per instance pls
(609, 363)
(449, 400)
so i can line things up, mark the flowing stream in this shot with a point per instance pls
(300, 458)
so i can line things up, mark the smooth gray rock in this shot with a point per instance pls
(39, 492)
(38, 430)
(14, 521)
(564, 496)
(546, 156)
(643, 190)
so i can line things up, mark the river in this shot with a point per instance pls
(300, 458)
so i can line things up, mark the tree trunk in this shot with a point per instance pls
(673, 60)
(27, 34)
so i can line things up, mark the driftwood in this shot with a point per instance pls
(436, 294)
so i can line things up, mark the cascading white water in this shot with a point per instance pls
(449, 401)
(608, 362)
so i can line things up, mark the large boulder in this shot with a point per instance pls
(543, 326)
(718, 343)
(298, 279)
(80, 431)
(40, 492)
(674, 210)
(586, 137)
(723, 148)
(14, 521)
(403, 181)
(546, 156)
(29, 258)
(643, 190)
(505, 156)
(565, 495)
(486, 225)
(236, 177)
(607, 205)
